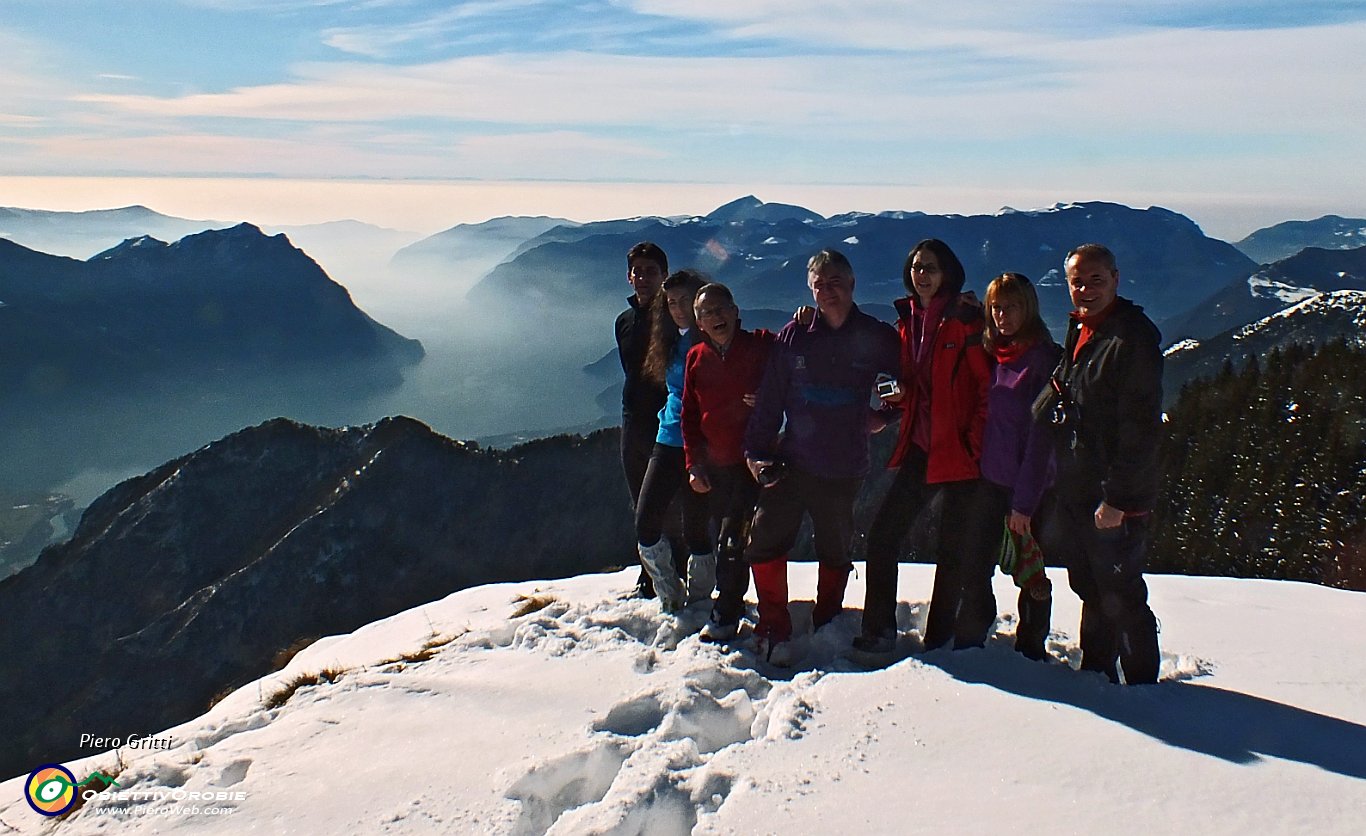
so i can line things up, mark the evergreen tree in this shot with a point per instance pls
(1264, 470)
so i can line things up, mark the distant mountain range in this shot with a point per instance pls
(477, 248)
(222, 303)
(1283, 240)
(81, 234)
(151, 348)
(1193, 286)
(761, 250)
(202, 574)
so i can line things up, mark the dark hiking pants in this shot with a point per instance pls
(962, 605)
(732, 497)
(1105, 569)
(777, 522)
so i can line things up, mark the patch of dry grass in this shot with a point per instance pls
(325, 676)
(528, 604)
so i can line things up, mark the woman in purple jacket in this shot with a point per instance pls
(1017, 457)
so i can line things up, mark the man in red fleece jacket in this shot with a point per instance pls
(720, 383)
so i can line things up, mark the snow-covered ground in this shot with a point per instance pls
(588, 713)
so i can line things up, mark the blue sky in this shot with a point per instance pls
(1211, 103)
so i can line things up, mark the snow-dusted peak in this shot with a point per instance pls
(140, 244)
(1263, 285)
(1334, 303)
(1182, 346)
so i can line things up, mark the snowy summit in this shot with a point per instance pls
(566, 707)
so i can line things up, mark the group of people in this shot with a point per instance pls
(748, 432)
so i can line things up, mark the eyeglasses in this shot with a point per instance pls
(917, 267)
(714, 312)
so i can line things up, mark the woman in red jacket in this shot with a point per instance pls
(945, 374)
(720, 381)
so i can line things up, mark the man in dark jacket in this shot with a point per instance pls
(1110, 421)
(641, 400)
(820, 379)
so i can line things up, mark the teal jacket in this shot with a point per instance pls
(671, 416)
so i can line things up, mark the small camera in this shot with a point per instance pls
(1061, 416)
(770, 473)
(887, 387)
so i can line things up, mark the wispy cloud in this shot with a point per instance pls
(284, 5)
(896, 25)
(463, 23)
(1193, 81)
(1050, 95)
(488, 27)
(15, 120)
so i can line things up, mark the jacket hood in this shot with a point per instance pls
(957, 308)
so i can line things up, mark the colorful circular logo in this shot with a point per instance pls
(51, 789)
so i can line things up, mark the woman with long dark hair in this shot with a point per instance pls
(943, 400)
(672, 335)
(1017, 452)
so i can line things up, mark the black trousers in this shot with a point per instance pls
(1105, 569)
(732, 498)
(637, 443)
(1035, 612)
(778, 518)
(666, 478)
(962, 605)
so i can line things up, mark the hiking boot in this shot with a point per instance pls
(777, 653)
(644, 588)
(717, 632)
(701, 577)
(659, 562)
(1139, 657)
(876, 645)
(1035, 606)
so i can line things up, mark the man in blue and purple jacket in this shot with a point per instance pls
(820, 379)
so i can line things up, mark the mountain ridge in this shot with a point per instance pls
(214, 562)
(1168, 264)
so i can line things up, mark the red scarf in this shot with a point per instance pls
(1009, 351)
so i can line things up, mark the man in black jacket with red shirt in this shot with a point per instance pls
(1110, 416)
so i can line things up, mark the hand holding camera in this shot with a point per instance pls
(888, 389)
(767, 472)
